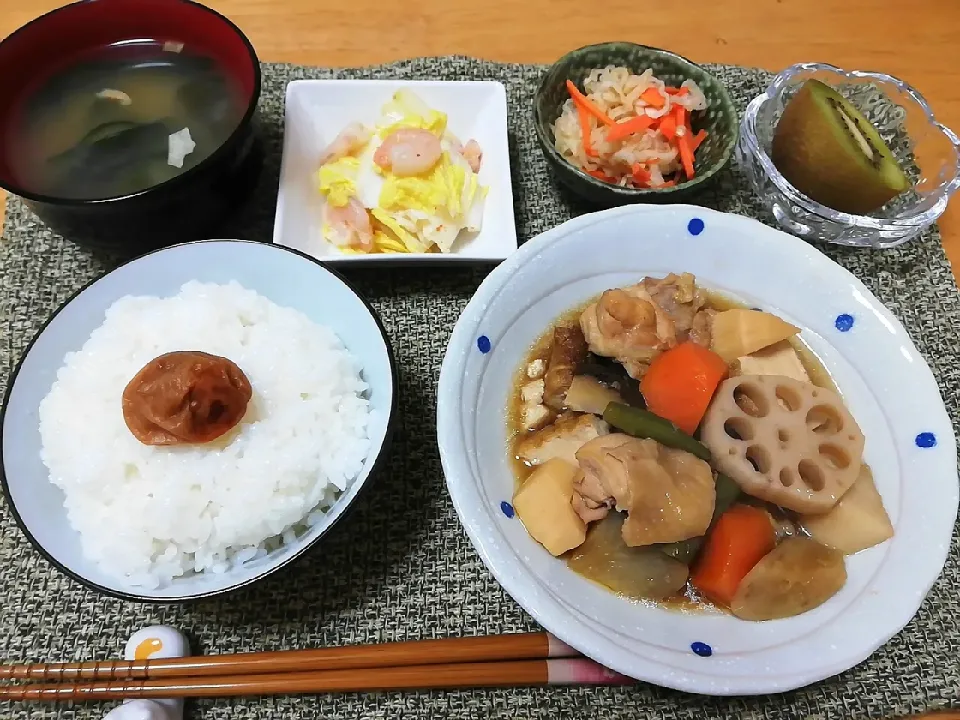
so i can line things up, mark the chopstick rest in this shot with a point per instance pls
(157, 641)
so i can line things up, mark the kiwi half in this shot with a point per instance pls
(831, 153)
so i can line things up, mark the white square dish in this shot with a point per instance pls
(316, 111)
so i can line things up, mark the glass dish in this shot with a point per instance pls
(928, 152)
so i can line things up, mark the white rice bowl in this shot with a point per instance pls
(149, 514)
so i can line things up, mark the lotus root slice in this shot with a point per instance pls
(785, 441)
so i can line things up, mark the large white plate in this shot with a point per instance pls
(886, 383)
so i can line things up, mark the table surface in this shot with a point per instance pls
(885, 35)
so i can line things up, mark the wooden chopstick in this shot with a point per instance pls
(518, 646)
(516, 673)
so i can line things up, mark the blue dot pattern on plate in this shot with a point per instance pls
(695, 226)
(843, 322)
(926, 440)
(507, 509)
(483, 344)
(701, 649)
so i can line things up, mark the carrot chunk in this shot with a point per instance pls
(738, 540)
(681, 382)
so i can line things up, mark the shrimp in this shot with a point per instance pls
(350, 224)
(408, 151)
(473, 154)
(353, 137)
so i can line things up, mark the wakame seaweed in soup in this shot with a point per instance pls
(122, 119)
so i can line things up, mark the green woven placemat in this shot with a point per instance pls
(401, 566)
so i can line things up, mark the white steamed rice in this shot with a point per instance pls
(150, 514)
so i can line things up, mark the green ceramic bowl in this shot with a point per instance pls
(719, 119)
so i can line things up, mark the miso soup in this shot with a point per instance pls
(123, 118)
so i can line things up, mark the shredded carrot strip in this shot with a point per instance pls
(599, 175)
(585, 131)
(668, 126)
(628, 127)
(582, 101)
(681, 116)
(677, 92)
(686, 155)
(652, 97)
(641, 176)
(697, 139)
(667, 183)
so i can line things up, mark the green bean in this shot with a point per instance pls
(644, 424)
(684, 551)
(727, 493)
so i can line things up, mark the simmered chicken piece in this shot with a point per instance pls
(668, 494)
(585, 503)
(623, 324)
(678, 296)
(701, 331)
(635, 323)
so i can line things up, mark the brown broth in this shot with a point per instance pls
(584, 563)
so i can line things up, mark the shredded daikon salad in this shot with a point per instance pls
(631, 130)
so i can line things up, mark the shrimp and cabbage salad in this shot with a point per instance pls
(405, 185)
(631, 130)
